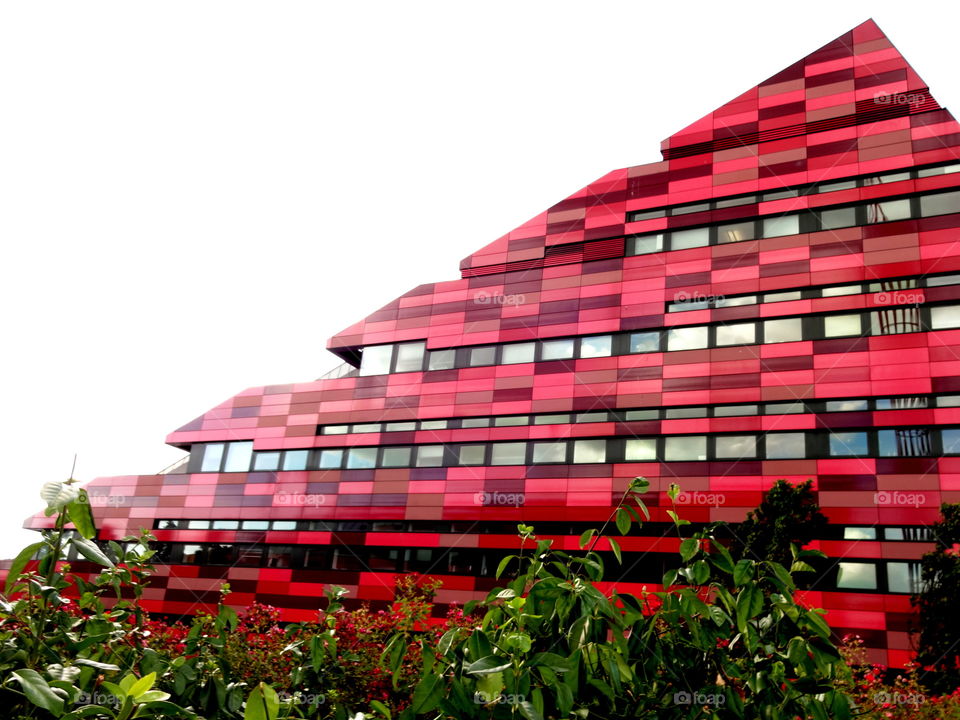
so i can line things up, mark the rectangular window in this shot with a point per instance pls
(295, 459)
(837, 185)
(509, 454)
(893, 533)
(780, 226)
(266, 461)
(792, 408)
(256, 525)
(735, 447)
(684, 239)
(692, 447)
(396, 457)
(518, 353)
(951, 441)
(646, 244)
(212, 457)
(736, 232)
(904, 577)
(785, 330)
(475, 422)
(687, 209)
(511, 421)
(779, 194)
(687, 338)
(685, 412)
(942, 280)
(735, 202)
(482, 355)
(472, 454)
(551, 419)
(239, 455)
(895, 320)
(430, 456)
(838, 218)
(841, 290)
(336, 429)
(943, 169)
(847, 405)
(549, 452)
(226, 524)
(597, 346)
(848, 444)
(644, 342)
(330, 459)
(433, 424)
(284, 525)
(198, 525)
(738, 334)
(785, 446)
(375, 359)
(735, 301)
(908, 442)
(888, 211)
(410, 356)
(641, 449)
(367, 428)
(856, 576)
(590, 451)
(735, 410)
(632, 415)
(400, 427)
(590, 417)
(859, 533)
(942, 317)
(557, 350)
(441, 359)
(841, 325)
(782, 296)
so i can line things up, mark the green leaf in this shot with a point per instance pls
(800, 566)
(262, 704)
(503, 565)
(90, 551)
(673, 490)
(428, 694)
(151, 696)
(95, 664)
(488, 664)
(381, 708)
(689, 548)
(749, 605)
(142, 685)
(81, 515)
(586, 536)
(623, 521)
(743, 573)
(529, 711)
(38, 691)
(615, 547)
(19, 563)
(700, 572)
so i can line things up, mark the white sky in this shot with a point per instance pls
(195, 195)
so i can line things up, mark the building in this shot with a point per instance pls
(778, 298)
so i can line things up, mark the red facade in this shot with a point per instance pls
(778, 298)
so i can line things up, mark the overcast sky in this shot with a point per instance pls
(195, 195)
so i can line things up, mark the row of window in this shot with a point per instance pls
(907, 442)
(889, 576)
(413, 356)
(808, 221)
(810, 189)
(907, 402)
(895, 291)
(905, 533)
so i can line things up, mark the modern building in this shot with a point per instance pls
(779, 297)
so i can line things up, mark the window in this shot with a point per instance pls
(735, 447)
(295, 459)
(284, 524)
(396, 457)
(684, 239)
(399, 426)
(738, 334)
(896, 320)
(511, 421)
(908, 442)
(375, 359)
(330, 459)
(780, 194)
(645, 244)
(785, 446)
(366, 428)
(735, 410)
(780, 226)
(942, 280)
(904, 577)
(475, 423)
(735, 301)
(888, 211)
(410, 356)
(786, 330)
(847, 405)
(212, 457)
(736, 232)
(687, 209)
(687, 338)
(859, 533)
(944, 316)
(782, 296)
(685, 412)
(597, 346)
(226, 524)
(518, 353)
(239, 455)
(838, 218)
(590, 451)
(441, 359)
(266, 461)
(472, 454)
(841, 325)
(336, 430)
(256, 525)
(834, 186)
(856, 576)
(279, 556)
(430, 456)
(482, 355)
(735, 202)
(549, 452)
(943, 169)
(792, 408)
(590, 417)
(551, 419)
(557, 349)
(509, 454)
(632, 415)
(644, 342)
(638, 449)
(433, 424)
(685, 448)
(841, 290)
(951, 441)
(893, 534)
(848, 444)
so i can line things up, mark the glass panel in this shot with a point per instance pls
(483, 356)
(786, 330)
(336, 429)
(279, 556)
(557, 349)
(684, 305)
(780, 226)
(472, 454)
(785, 446)
(198, 524)
(888, 211)
(644, 342)
(785, 408)
(648, 214)
(838, 185)
(948, 401)
(838, 291)
(888, 178)
(847, 405)
(551, 419)
(396, 457)
(841, 325)
(893, 533)
(367, 428)
(590, 451)
(639, 449)
(942, 280)
(598, 346)
(735, 446)
(441, 359)
(943, 169)
(410, 356)
(645, 244)
(736, 232)
(330, 459)
(549, 452)
(212, 456)
(859, 533)
(951, 441)
(838, 218)
(944, 316)
(256, 524)
(735, 301)
(739, 334)
(375, 359)
(193, 554)
(679, 413)
(295, 459)
(685, 448)
(399, 426)
(857, 576)
(903, 577)
(433, 424)
(239, 455)
(683, 239)
(509, 454)
(284, 524)
(782, 296)
(518, 353)
(266, 461)
(430, 456)
(687, 338)
(780, 194)
(512, 421)
(591, 417)
(735, 410)
(896, 320)
(735, 202)
(848, 444)
(226, 524)
(687, 209)
(475, 422)
(631, 415)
